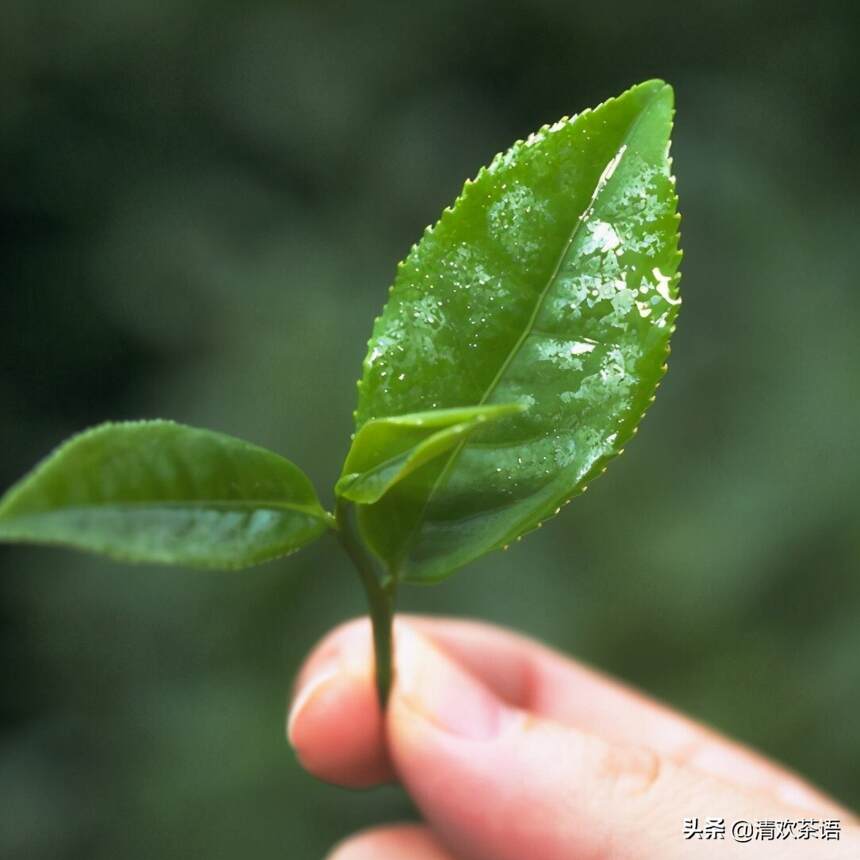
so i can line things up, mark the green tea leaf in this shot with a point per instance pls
(387, 450)
(155, 491)
(551, 282)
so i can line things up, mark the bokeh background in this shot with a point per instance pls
(202, 205)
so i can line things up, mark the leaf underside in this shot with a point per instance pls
(155, 491)
(552, 282)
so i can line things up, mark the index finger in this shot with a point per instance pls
(338, 733)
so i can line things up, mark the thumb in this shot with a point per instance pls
(498, 783)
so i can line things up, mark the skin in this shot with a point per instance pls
(512, 750)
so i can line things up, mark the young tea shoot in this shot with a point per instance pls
(522, 342)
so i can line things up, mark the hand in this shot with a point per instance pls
(514, 752)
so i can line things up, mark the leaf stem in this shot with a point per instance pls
(380, 588)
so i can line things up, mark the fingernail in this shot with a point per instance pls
(349, 653)
(797, 794)
(435, 688)
(307, 693)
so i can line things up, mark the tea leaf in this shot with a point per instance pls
(155, 491)
(387, 450)
(551, 282)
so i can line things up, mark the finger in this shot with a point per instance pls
(497, 783)
(396, 842)
(336, 727)
(335, 724)
(537, 679)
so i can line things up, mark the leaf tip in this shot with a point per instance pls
(656, 88)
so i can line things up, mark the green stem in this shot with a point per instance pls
(380, 588)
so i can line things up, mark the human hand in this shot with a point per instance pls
(514, 752)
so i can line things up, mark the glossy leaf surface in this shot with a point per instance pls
(387, 450)
(551, 282)
(155, 491)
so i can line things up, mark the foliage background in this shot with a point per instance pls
(202, 205)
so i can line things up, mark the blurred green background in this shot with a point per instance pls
(202, 206)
